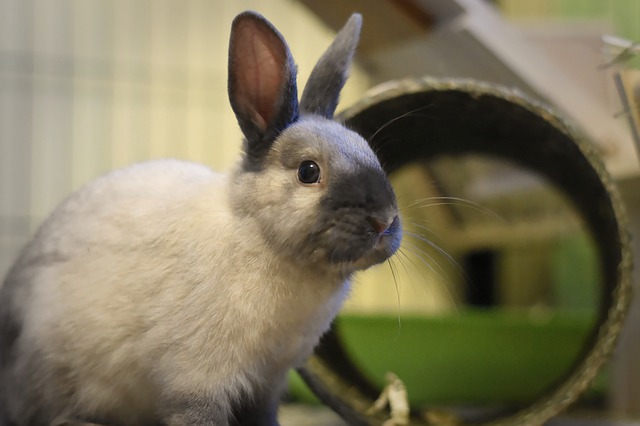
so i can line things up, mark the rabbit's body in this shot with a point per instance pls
(154, 298)
(166, 293)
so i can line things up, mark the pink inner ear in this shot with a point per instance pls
(260, 61)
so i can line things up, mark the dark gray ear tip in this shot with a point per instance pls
(354, 23)
(252, 18)
(249, 14)
(351, 30)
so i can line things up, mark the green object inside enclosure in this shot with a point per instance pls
(469, 357)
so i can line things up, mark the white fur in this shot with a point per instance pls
(174, 279)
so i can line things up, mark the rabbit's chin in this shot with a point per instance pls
(378, 251)
(382, 250)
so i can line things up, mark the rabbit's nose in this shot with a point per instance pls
(381, 225)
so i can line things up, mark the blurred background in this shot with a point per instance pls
(493, 252)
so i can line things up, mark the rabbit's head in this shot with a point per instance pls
(315, 188)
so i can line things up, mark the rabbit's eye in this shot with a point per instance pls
(309, 172)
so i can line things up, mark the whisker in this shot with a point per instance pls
(406, 262)
(455, 201)
(423, 261)
(404, 258)
(393, 120)
(395, 282)
(417, 251)
(385, 140)
(436, 247)
(413, 223)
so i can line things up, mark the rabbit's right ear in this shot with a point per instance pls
(262, 82)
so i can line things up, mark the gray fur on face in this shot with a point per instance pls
(333, 219)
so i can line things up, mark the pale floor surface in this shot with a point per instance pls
(303, 415)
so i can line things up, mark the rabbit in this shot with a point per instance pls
(168, 293)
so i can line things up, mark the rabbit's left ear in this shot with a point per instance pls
(262, 82)
(322, 92)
